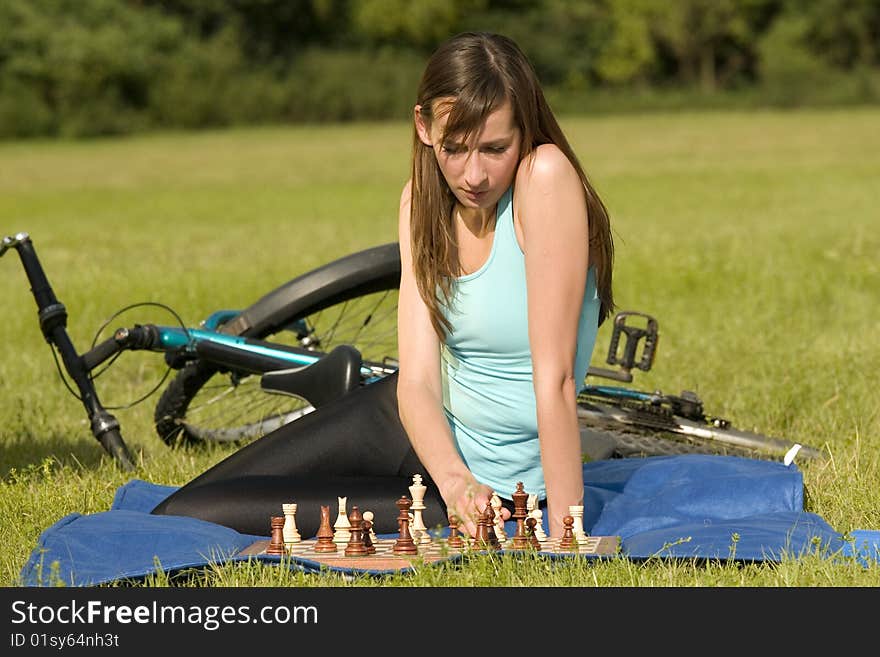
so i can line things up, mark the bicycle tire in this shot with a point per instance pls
(614, 431)
(351, 300)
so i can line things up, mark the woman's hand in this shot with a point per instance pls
(466, 499)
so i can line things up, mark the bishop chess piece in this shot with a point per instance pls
(356, 546)
(489, 520)
(417, 528)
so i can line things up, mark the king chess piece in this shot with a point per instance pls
(417, 528)
(404, 543)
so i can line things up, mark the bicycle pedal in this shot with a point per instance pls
(648, 335)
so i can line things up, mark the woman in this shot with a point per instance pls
(506, 253)
(506, 260)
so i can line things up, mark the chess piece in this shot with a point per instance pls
(538, 515)
(489, 520)
(567, 543)
(276, 543)
(498, 520)
(325, 533)
(290, 532)
(417, 528)
(356, 546)
(342, 526)
(531, 522)
(576, 511)
(368, 535)
(368, 518)
(520, 499)
(404, 543)
(455, 540)
(481, 536)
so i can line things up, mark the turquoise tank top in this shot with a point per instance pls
(486, 365)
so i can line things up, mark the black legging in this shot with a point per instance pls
(354, 447)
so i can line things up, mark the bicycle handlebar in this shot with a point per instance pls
(53, 323)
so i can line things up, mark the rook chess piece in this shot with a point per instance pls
(576, 511)
(291, 533)
(342, 526)
(276, 542)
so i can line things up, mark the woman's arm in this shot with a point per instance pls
(419, 395)
(552, 214)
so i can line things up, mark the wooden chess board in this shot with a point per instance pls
(385, 561)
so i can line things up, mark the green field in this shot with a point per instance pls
(752, 238)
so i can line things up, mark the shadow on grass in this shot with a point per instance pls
(27, 451)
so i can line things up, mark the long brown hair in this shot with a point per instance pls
(480, 71)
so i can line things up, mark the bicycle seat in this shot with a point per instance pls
(321, 382)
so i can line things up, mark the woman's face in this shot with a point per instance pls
(480, 169)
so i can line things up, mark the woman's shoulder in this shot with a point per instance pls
(545, 164)
(546, 178)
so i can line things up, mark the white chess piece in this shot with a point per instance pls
(342, 527)
(368, 515)
(417, 528)
(290, 532)
(576, 511)
(540, 534)
(498, 521)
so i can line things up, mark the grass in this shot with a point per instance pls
(751, 236)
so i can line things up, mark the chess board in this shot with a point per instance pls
(384, 561)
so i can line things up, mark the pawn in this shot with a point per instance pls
(368, 535)
(276, 543)
(531, 523)
(368, 517)
(567, 543)
(455, 540)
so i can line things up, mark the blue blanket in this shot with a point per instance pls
(694, 506)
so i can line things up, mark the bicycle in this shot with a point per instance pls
(244, 373)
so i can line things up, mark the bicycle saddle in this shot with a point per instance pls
(325, 380)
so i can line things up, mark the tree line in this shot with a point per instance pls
(93, 67)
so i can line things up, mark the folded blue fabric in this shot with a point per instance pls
(694, 506)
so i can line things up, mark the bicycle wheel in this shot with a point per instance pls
(615, 430)
(352, 300)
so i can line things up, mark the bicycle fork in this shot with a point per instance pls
(53, 323)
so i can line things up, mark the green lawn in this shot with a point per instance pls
(752, 237)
